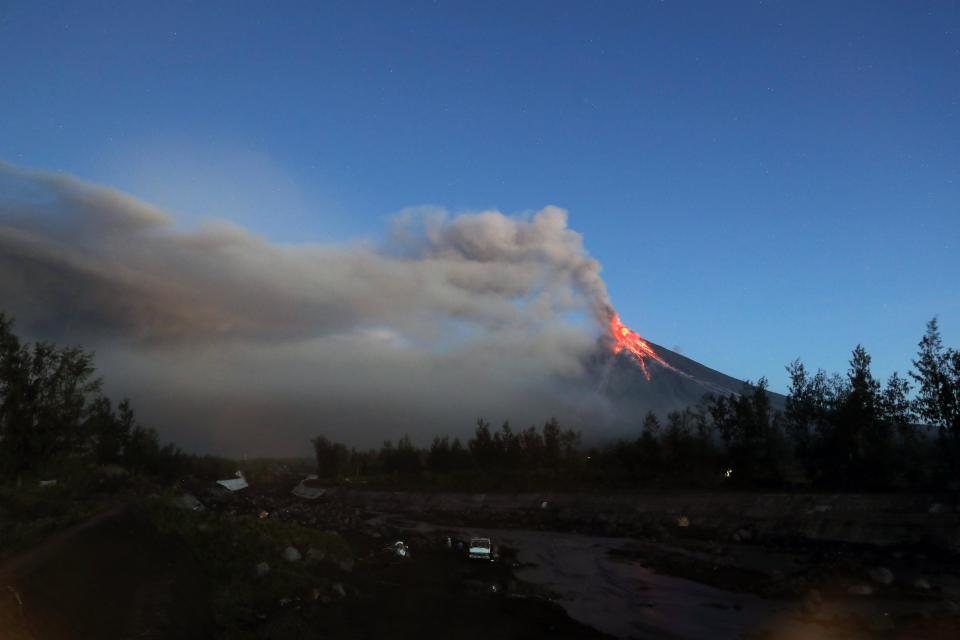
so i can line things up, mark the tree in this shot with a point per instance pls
(407, 457)
(438, 459)
(938, 376)
(44, 403)
(482, 447)
(648, 445)
(531, 444)
(896, 409)
(333, 458)
(551, 443)
(143, 450)
(508, 445)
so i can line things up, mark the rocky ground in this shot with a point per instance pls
(815, 566)
(265, 563)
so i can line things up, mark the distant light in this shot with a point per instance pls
(728, 473)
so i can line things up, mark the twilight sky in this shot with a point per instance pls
(759, 180)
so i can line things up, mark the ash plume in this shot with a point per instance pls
(229, 342)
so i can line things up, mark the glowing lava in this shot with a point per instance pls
(625, 339)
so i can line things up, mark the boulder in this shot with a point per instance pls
(261, 569)
(922, 583)
(860, 590)
(290, 554)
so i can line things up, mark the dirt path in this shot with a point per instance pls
(108, 577)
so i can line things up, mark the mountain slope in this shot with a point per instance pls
(621, 379)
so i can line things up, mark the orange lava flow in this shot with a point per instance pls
(625, 339)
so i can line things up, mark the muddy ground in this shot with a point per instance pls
(563, 572)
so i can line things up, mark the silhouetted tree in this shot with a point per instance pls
(937, 373)
(44, 400)
(483, 448)
(439, 458)
(551, 444)
(333, 458)
(531, 443)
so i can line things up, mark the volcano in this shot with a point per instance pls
(639, 376)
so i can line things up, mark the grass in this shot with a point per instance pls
(229, 548)
(30, 513)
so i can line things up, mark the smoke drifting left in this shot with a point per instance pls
(227, 342)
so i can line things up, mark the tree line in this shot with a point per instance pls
(836, 432)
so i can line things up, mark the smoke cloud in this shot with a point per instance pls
(230, 343)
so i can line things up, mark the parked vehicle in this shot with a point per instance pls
(480, 549)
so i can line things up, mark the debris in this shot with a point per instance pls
(315, 555)
(264, 515)
(290, 554)
(48, 483)
(309, 488)
(683, 521)
(190, 502)
(234, 484)
(544, 504)
(338, 589)
(882, 575)
(400, 549)
(347, 565)
(922, 584)
(936, 508)
(261, 569)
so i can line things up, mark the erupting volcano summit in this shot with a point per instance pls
(625, 339)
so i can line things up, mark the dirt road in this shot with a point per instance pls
(109, 577)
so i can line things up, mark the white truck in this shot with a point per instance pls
(480, 549)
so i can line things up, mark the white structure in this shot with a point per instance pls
(234, 484)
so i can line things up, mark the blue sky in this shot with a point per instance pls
(761, 181)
